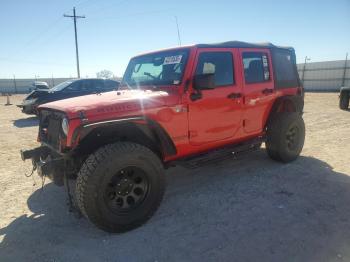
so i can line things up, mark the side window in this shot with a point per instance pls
(285, 69)
(110, 84)
(96, 85)
(73, 87)
(87, 86)
(218, 63)
(256, 67)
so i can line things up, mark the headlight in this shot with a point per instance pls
(29, 101)
(65, 126)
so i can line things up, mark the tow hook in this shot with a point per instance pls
(32, 153)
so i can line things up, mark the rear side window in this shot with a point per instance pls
(87, 85)
(285, 69)
(110, 84)
(75, 86)
(97, 85)
(218, 63)
(256, 67)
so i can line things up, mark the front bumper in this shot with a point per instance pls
(29, 109)
(47, 163)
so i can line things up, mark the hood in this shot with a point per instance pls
(118, 102)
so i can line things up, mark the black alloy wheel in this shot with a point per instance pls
(126, 190)
(292, 137)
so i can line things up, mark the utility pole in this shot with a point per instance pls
(306, 59)
(74, 16)
(14, 83)
(52, 81)
(344, 73)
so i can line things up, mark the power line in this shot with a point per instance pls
(32, 62)
(84, 3)
(131, 15)
(74, 16)
(36, 37)
(100, 10)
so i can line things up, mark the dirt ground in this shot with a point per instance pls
(248, 209)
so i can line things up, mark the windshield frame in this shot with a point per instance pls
(171, 52)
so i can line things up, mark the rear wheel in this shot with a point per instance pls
(120, 186)
(285, 136)
(344, 100)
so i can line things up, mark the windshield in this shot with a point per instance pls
(163, 68)
(62, 85)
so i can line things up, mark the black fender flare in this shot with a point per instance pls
(147, 126)
(296, 100)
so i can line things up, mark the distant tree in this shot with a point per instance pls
(104, 74)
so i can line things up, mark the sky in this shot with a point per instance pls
(36, 40)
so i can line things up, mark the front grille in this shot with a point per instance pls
(50, 128)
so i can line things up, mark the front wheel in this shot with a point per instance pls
(120, 186)
(285, 136)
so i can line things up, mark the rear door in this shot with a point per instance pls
(96, 86)
(217, 114)
(111, 85)
(258, 88)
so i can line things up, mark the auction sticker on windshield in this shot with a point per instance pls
(176, 59)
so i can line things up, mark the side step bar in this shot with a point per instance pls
(218, 155)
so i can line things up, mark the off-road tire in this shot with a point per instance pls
(344, 100)
(101, 166)
(278, 145)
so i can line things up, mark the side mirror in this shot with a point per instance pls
(204, 81)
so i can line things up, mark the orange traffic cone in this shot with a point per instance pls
(8, 100)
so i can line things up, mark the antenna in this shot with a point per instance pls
(178, 31)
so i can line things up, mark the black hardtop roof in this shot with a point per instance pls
(240, 44)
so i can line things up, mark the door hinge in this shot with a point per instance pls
(192, 134)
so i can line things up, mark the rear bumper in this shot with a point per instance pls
(46, 162)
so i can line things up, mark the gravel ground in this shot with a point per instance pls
(248, 209)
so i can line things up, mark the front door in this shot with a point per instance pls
(217, 114)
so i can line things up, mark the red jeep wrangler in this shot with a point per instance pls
(187, 105)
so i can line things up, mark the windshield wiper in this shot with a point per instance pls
(149, 74)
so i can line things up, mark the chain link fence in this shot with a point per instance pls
(325, 76)
(22, 86)
(317, 76)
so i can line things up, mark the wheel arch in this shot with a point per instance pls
(290, 103)
(140, 130)
(345, 89)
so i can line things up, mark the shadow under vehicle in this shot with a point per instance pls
(26, 122)
(246, 209)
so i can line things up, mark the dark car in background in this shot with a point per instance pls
(67, 89)
(40, 85)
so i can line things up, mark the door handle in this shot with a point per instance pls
(234, 95)
(267, 91)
